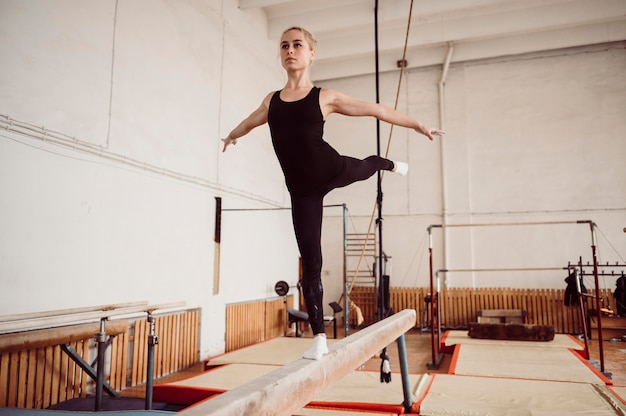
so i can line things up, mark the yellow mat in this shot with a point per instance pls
(359, 390)
(620, 392)
(560, 341)
(452, 395)
(226, 377)
(555, 364)
(365, 387)
(277, 351)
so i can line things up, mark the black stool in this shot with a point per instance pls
(333, 318)
(296, 316)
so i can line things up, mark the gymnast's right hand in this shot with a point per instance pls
(227, 142)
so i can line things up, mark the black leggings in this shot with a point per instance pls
(307, 214)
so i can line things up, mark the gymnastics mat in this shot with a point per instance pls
(452, 395)
(276, 351)
(556, 364)
(358, 391)
(620, 392)
(362, 390)
(215, 381)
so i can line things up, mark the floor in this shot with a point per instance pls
(419, 355)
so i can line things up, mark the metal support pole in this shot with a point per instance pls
(434, 303)
(433, 346)
(581, 303)
(152, 341)
(346, 304)
(404, 370)
(598, 298)
(217, 237)
(379, 193)
(346, 310)
(100, 340)
(87, 368)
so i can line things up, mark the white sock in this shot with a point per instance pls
(317, 350)
(400, 168)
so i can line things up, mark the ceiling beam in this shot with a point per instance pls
(254, 4)
(594, 34)
(478, 28)
(471, 28)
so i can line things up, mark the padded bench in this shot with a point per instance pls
(502, 316)
(296, 316)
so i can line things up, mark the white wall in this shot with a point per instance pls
(117, 203)
(533, 138)
(114, 202)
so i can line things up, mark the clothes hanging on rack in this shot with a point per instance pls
(620, 295)
(571, 291)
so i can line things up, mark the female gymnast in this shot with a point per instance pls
(312, 168)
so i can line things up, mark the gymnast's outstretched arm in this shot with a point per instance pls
(333, 101)
(257, 118)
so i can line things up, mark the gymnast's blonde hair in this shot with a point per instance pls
(308, 36)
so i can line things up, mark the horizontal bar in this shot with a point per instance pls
(255, 209)
(289, 388)
(511, 269)
(271, 209)
(500, 224)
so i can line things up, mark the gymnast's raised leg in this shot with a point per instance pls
(307, 213)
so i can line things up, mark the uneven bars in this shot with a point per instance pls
(272, 209)
(510, 269)
(289, 388)
(436, 356)
(500, 224)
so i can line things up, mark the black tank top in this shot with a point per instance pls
(297, 129)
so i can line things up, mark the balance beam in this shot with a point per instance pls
(291, 387)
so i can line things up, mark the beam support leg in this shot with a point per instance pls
(404, 371)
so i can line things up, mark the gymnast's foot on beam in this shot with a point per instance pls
(400, 168)
(319, 348)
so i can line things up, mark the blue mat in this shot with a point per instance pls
(87, 404)
(110, 405)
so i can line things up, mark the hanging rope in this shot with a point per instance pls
(371, 223)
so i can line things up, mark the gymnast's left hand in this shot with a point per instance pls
(429, 132)
(227, 142)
